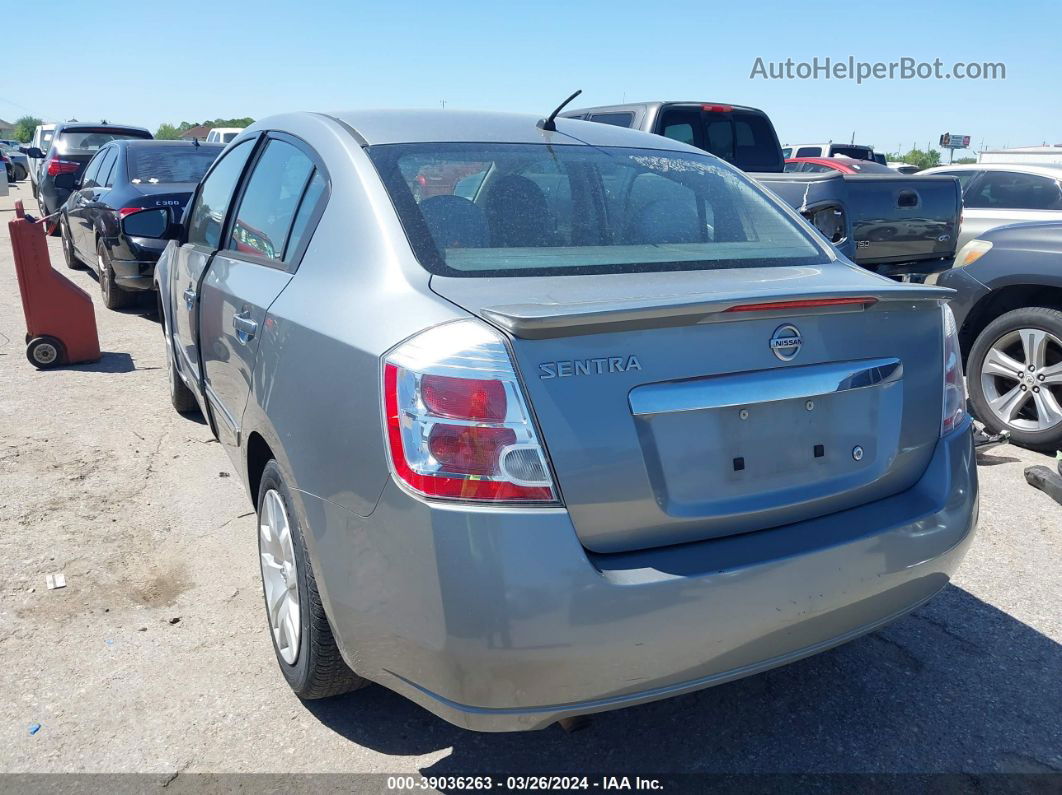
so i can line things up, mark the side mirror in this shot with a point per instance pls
(151, 223)
(66, 181)
(32, 151)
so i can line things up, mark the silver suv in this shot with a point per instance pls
(543, 422)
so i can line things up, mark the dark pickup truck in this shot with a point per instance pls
(893, 225)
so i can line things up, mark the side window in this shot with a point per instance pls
(1008, 190)
(965, 177)
(300, 230)
(615, 119)
(92, 170)
(270, 201)
(809, 151)
(106, 175)
(787, 152)
(208, 213)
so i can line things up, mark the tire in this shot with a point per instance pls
(20, 173)
(45, 352)
(181, 396)
(312, 665)
(114, 297)
(69, 254)
(1033, 412)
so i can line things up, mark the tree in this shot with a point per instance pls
(25, 127)
(167, 132)
(916, 157)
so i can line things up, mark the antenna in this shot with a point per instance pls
(549, 123)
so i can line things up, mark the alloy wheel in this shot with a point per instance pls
(1021, 377)
(280, 576)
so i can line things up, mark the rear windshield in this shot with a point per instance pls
(153, 164)
(89, 140)
(533, 209)
(743, 137)
(856, 152)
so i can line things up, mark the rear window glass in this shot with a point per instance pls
(743, 138)
(856, 152)
(615, 119)
(89, 140)
(532, 209)
(162, 164)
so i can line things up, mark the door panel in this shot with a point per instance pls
(190, 262)
(234, 299)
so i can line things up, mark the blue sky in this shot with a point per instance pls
(149, 62)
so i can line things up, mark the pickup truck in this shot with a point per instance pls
(893, 225)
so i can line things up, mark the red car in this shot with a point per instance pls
(846, 165)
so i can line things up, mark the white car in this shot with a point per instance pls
(222, 135)
(995, 194)
(42, 139)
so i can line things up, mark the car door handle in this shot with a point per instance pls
(245, 327)
(189, 297)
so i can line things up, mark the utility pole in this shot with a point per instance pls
(443, 103)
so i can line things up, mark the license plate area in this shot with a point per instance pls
(780, 445)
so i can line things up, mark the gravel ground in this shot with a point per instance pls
(156, 658)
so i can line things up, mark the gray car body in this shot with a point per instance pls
(978, 220)
(894, 224)
(504, 618)
(1021, 269)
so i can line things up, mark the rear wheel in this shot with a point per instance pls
(45, 352)
(1015, 376)
(114, 297)
(305, 648)
(69, 255)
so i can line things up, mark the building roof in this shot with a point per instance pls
(6, 125)
(199, 131)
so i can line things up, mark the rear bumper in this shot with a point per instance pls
(499, 620)
(133, 261)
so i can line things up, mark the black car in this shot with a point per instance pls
(123, 203)
(1008, 309)
(73, 145)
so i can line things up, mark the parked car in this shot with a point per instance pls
(845, 165)
(9, 169)
(1009, 312)
(19, 162)
(606, 424)
(223, 135)
(127, 196)
(995, 194)
(72, 146)
(42, 140)
(854, 151)
(890, 224)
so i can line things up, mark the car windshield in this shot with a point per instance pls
(534, 209)
(89, 140)
(153, 164)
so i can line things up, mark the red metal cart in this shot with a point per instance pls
(60, 319)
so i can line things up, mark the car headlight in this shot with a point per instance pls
(972, 252)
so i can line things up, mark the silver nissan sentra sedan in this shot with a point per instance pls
(544, 422)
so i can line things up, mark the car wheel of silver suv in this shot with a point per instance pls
(302, 638)
(1014, 374)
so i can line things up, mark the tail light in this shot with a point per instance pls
(57, 166)
(717, 108)
(830, 221)
(458, 425)
(954, 386)
(124, 211)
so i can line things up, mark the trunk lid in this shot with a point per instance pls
(669, 419)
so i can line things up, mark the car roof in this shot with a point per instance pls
(630, 106)
(147, 143)
(96, 125)
(1053, 171)
(375, 127)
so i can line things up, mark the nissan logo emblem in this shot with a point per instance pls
(786, 342)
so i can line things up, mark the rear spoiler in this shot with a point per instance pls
(543, 321)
